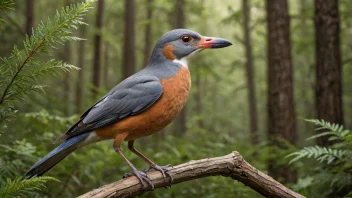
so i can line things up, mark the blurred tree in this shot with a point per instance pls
(97, 48)
(218, 98)
(250, 73)
(80, 63)
(129, 52)
(148, 33)
(180, 14)
(106, 64)
(281, 113)
(328, 92)
(29, 16)
(181, 120)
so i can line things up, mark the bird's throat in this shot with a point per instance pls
(184, 60)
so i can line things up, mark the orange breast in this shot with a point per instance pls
(160, 114)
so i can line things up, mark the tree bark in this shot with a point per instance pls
(328, 92)
(232, 165)
(80, 64)
(148, 33)
(181, 120)
(129, 52)
(281, 118)
(180, 14)
(29, 16)
(250, 73)
(97, 49)
(106, 64)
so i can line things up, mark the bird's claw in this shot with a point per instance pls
(163, 169)
(142, 176)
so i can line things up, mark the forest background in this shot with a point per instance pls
(290, 61)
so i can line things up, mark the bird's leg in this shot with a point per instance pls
(140, 175)
(163, 169)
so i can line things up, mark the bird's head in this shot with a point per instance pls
(180, 45)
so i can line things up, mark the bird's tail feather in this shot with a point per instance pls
(56, 155)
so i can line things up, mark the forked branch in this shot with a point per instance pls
(232, 165)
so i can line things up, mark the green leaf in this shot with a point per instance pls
(19, 186)
(19, 72)
(320, 135)
(321, 154)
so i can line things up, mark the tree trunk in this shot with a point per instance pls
(250, 73)
(106, 64)
(281, 118)
(328, 59)
(129, 52)
(80, 79)
(97, 49)
(29, 16)
(180, 14)
(181, 120)
(148, 33)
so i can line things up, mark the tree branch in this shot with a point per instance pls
(232, 165)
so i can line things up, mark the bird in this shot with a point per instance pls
(138, 106)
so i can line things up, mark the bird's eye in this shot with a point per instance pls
(186, 38)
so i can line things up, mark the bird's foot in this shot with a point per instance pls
(142, 176)
(163, 169)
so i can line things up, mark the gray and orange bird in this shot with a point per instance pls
(140, 105)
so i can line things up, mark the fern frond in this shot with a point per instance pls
(321, 135)
(19, 187)
(16, 72)
(336, 131)
(15, 157)
(319, 153)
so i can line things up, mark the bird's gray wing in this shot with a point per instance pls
(130, 97)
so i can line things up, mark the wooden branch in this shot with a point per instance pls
(232, 165)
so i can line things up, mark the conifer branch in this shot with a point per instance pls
(44, 37)
(18, 187)
(5, 6)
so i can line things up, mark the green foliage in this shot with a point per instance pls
(334, 177)
(17, 187)
(18, 78)
(319, 153)
(336, 132)
(14, 160)
(5, 6)
(223, 103)
(20, 71)
(15, 157)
